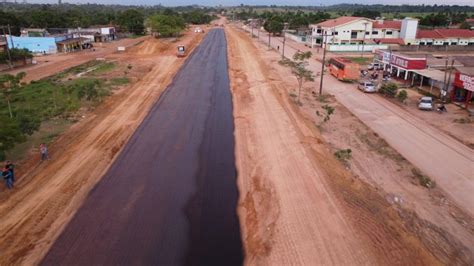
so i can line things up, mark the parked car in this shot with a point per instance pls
(367, 86)
(373, 66)
(425, 103)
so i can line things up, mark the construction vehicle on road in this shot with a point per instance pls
(181, 51)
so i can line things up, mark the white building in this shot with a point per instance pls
(355, 31)
(444, 37)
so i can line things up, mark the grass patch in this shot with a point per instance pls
(51, 98)
(422, 179)
(103, 67)
(360, 60)
(119, 81)
(46, 133)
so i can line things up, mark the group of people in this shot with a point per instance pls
(8, 172)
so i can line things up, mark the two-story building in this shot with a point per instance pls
(357, 33)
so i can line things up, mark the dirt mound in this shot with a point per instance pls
(151, 46)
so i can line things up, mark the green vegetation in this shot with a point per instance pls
(367, 13)
(128, 18)
(16, 55)
(25, 107)
(343, 155)
(298, 68)
(328, 111)
(422, 179)
(166, 25)
(119, 81)
(402, 95)
(295, 20)
(360, 60)
(389, 89)
(132, 20)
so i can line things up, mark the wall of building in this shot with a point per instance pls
(355, 48)
(435, 48)
(34, 44)
(343, 32)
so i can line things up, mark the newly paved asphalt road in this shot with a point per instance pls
(170, 197)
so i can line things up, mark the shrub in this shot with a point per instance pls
(343, 155)
(389, 89)
(402, 96)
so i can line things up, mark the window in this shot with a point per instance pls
(367, 32)
(422, 43)
(389, 33)
(445, 43)
(374, 32)
(318, 30)
(336, 33)
(454, 43)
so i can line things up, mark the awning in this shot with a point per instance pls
(433, 74)
(73, 40)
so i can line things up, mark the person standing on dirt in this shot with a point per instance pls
(10, 166)
(7, 175)
(44, 152)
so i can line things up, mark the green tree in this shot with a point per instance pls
(8, 85)
(10, 134)
(132, 20)
(298, 68)
(273, 25)
(366, 13)
(166, 25)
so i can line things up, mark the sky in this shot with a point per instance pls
(256, 2)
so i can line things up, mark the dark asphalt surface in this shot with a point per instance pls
(170, 198)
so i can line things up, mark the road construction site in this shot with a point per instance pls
(207, 159)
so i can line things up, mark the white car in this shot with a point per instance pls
(367, 86)
(197, 30)
(373, 66)
(425, 103)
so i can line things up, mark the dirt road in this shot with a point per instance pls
(47, 195)
(298, 205)
(171, 196)
(446, 160)
(52, 64)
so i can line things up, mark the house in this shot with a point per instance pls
(445, 37)
(400, 64)
(36, 45)
(95, 34)
(359, 33)
(33, 32)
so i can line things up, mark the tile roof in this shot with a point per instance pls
(338, 21)
(444, 33)
(388, 24)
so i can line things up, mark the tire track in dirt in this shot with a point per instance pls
(325, 216)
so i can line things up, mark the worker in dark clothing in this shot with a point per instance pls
(10, 166)
(7, 175)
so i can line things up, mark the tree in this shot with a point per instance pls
(298, 68)
(366, 13)
(166, 25)
(132, 20)
(9, 84)
(10, 134)
(273, 25)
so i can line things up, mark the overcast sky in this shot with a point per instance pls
(256, 2)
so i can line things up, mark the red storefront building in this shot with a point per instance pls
(401, 65)
(463, 86)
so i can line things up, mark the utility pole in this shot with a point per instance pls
(363, 40)
(8, 49)
(445, 92)
(10, 34)
(445, 77)
(325, 36)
